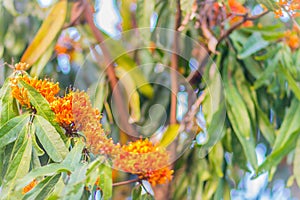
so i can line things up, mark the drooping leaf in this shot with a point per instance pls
(10, 130)
(42, 106)
(47, 33)
(291, 81)
(18, 167)
(170, 135)
(43, 188)
(144, 13)
(254, 43)
(105, 182)
(136, 192)
(296, 163)
(50, 139)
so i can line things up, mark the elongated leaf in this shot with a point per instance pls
(253, 44)
(42, 107)
(8, 106)
(40, 64)
(105, 182)
(170, 135)
(18, 167)
(265, 126)
(73, 158)
(11, 129)
(292, 83)
(238, 115)
(50, 139)
(136, 192)
(47, 170)
(278, 154)
(47, 33)
(132, 94)
(270, 4)
(43, 188)
(144, 12)
(75, 186)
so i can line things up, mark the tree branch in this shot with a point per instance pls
(174, 65)
(110, 71)
(125, 182)
(246, 17)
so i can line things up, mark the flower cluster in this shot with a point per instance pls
(146, 160)
(233, 12)
(291, 38)
(45, 87)
(30, 186)
(290, 6)
(75, 112)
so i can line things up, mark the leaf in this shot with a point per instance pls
(254, 43)
(144, 12)
(265, 126)
(8, 106)
(238, 115)
(11, 129)
(43, 188)
(170, 135)
(270, 4)
(278, 154)
(40, 64)
(136, 192)
(75, 186)
(47, 33)
(296, 163)
(47, 170)
(73, 158)
(292, 83)
(131, 94)
(42, 107)
(50, 139)
(105, 182)
(18, 167)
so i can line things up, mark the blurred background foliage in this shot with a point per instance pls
(256, 154)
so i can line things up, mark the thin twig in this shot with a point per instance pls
(125, 182)
(246, 17)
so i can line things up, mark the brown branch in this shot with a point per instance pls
(246, 17)
(126, 182)
(110, 71)
(174, 66)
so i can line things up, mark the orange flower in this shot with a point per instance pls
(30, 186)
(237, 7)
(146, 160)
(290, 6)
(75, 108)
(292, 39)
(45, 87)
(21, 66)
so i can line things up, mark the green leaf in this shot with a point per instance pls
(73, 158)
(144, 12)
(11, 129)
(279, 153)
(43, 188)
(170, 135)
(254, 43)
(18, 167)
(75, 186)
(291, 81)
(47, 33)
(42, 107)
(136, 192)
(270, 4)
(8, 106)
(238, 114)
(105, 182)
(50, 139)
(47, 170)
